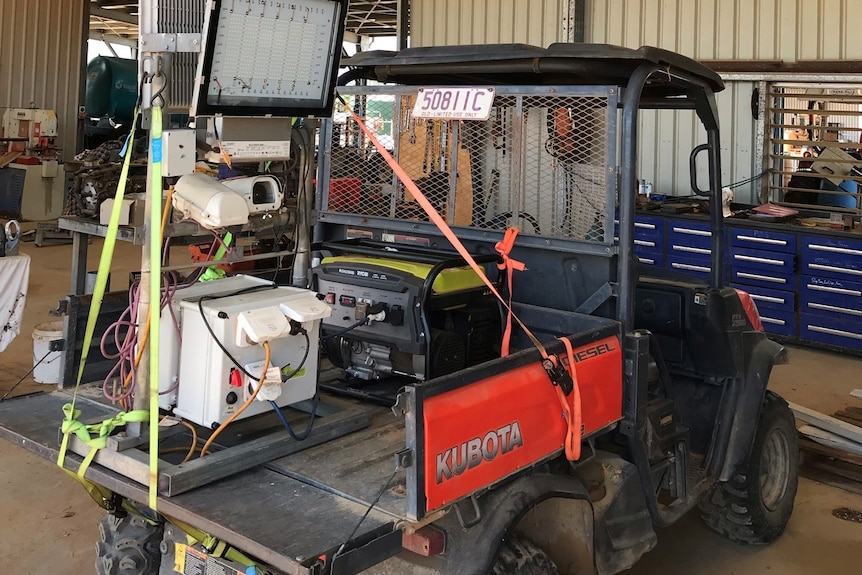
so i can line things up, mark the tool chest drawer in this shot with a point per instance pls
(770, 263)
(688, 234)
(832, 298)
(830, 330)
(832, 291)
(647, 228)
(694, 266)
(763, 240)
(650, 259)
(832, 257)
(767, 298)
(779, 322)
(761, 278)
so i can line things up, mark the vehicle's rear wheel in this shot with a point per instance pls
(755, 506)
(520, 557)
(128, 545)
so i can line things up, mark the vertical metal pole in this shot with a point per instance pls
(402, 23)
(149, 65)
(627, 276)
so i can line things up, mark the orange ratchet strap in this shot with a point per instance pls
(559, 375)
(509, 266)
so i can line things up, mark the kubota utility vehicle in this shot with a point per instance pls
(643, 398)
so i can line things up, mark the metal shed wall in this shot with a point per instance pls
(788, 30)
(453, 22)
(42, 60)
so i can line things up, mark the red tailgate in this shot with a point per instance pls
(480, 433)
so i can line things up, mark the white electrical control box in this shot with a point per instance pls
(169, 363)
(179, 152)
(212, 387)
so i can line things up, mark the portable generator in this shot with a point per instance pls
(413, 313)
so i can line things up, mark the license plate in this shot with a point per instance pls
(454, 103)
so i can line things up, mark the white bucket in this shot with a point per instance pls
(48, 371)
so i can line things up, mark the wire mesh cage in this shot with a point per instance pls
(541, 161)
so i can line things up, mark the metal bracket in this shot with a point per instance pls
(401, 406)
(477, 513)
(404, 458)
(171, 42)
(600, 296)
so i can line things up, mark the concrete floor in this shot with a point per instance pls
(48, 523)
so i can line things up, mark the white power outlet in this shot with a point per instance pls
(271, 389)
(260, 325)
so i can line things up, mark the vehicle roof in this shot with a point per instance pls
(523, 64)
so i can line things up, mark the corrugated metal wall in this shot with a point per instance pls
(41, 60)
(788, 30)
(452, 22)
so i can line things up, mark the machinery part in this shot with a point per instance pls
(112, 88)
(128, 545)
(755, 506)
(520, 557)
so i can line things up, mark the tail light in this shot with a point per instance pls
(750, 309)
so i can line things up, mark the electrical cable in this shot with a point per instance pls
(365, 515)
(23, 377)
(360, 323)
(304, 435)
(191, 449)
(201, 301)
(245, 405)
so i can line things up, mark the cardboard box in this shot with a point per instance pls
(133, 212)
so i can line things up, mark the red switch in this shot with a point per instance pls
(330, 298)
(235, 378)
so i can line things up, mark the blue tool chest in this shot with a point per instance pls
(807, 283)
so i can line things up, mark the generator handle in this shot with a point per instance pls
(455, 262)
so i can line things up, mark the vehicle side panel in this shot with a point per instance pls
(482, 432)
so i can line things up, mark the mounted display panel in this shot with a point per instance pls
(270, 57)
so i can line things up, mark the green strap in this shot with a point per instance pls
(71, 414)
(214, 272)
(155, 295)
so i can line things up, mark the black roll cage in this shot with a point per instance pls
(649, 78)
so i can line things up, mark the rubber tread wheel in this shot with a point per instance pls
(754, 507)
(520, 557)
(128, 545)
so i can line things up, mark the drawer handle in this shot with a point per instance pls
(766, 261)
(646, 261)
(644, 243)
(837, 332)
(766, 298)
(760, 277)
(841, 291)
(834, 308)
(644, 226)
(834, 250)
(762, 240)
(772, 320)
(835, 269)
(692, 250)
(690, 267)
(692, 232)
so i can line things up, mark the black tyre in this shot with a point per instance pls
(520, 557)
(755, 506)
(128, 545)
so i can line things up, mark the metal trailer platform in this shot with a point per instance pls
(286, 513)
